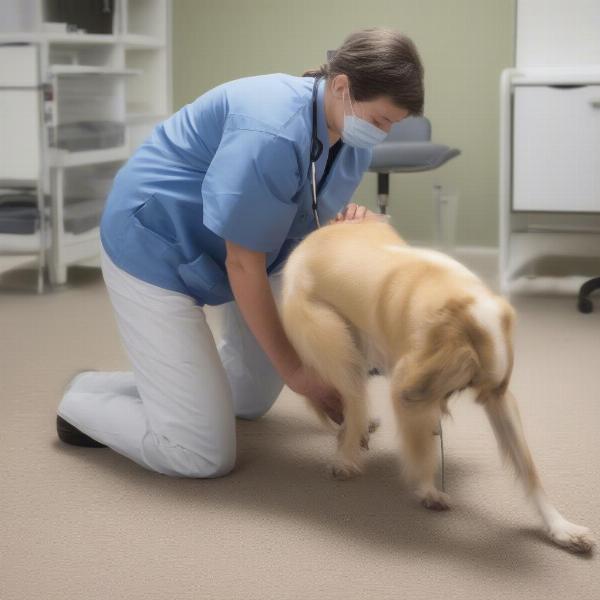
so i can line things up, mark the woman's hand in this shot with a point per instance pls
(306, 382)
(355, 213)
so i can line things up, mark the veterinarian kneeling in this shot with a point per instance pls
(205, 212)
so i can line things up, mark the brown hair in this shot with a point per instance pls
(379, 62)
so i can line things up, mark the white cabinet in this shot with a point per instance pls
(549, 184)
(549, 176)
(556, 148)
(74, 105)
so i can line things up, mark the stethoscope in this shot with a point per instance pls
(316, 149)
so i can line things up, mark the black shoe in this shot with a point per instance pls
(71, 435)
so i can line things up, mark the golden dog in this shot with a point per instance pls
(350, 288)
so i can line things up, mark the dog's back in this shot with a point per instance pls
(411, 302)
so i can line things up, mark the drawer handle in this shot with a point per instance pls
(595, 103)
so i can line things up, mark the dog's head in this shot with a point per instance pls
(466, 344)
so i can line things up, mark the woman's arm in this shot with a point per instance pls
(249, 282)
(250, 285)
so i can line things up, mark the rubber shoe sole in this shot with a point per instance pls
(71, 435)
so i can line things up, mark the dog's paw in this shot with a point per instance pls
(374, 424)
(573, 538)
(433, 499)
(342, 469)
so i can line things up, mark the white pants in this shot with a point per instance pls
(175, 413)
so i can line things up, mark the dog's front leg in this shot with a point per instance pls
(420, 462)
(352, 434)
(504, 417)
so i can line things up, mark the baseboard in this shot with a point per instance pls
(491, 251)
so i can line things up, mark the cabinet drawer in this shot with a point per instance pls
(18, 66)
(556, 143)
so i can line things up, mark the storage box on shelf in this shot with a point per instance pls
(98, 80)
(22, 229)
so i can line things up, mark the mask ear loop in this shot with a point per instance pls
(351, 106)
(349, 100)
(350, 126)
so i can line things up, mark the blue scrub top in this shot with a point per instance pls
(232, 165)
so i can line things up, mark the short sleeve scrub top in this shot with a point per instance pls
(232, 165)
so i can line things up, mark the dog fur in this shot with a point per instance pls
(352, 291)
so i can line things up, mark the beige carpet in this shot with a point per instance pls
(88, 523)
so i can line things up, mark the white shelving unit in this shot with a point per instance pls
(73, 106)
(550, 147)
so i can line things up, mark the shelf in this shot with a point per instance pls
(130, 40)
(63, 158)
(134, 40)
(15, 247)
(527, 247)
(559, 229)
(74, 239)
(563, 285)
(20, 249)
(8, 263)
(79, 39)
(82, 247)
(67, 70)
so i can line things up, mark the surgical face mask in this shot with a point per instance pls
(360, 133)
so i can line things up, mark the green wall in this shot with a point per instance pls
(464, 45)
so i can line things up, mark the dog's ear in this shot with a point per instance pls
(433, 378)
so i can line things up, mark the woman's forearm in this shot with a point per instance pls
(255, 300)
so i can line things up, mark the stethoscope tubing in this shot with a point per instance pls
(316, 149)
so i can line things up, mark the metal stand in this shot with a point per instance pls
(383, 191)
(442, 465)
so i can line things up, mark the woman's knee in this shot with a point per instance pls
(251, 415)
(175, 460)
(253, 405)
(199, 467)
(216, 469)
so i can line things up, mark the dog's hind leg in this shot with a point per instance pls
(420, 463)
(503, 414)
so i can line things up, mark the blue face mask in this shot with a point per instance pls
(360, 133)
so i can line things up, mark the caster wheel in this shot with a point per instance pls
(585, 305)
